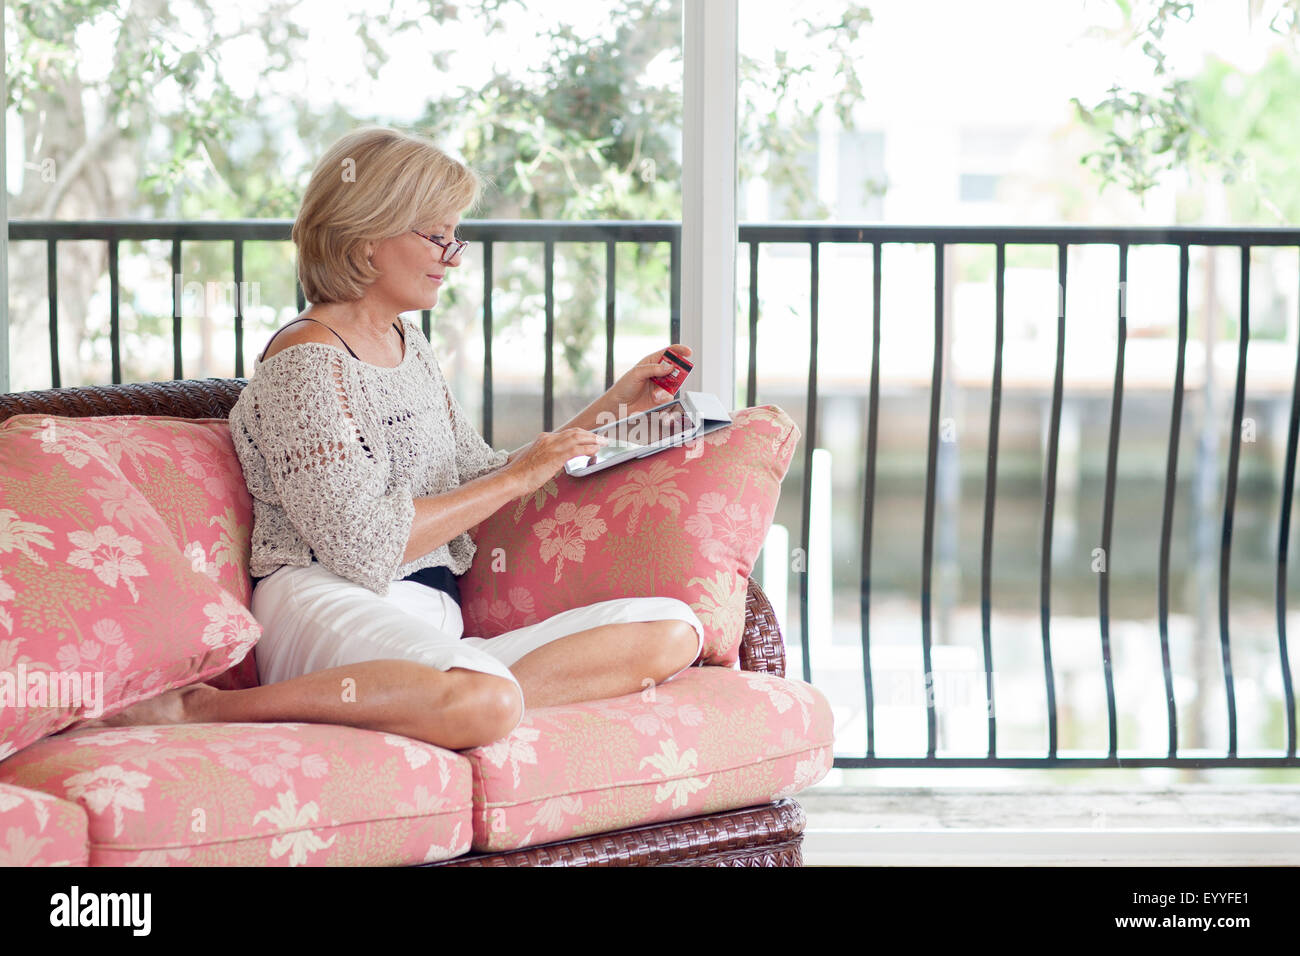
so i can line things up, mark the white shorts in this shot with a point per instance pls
(313, 619)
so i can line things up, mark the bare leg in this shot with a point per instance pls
(606, 661)
(456, 708)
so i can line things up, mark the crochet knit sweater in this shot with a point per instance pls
(334, 450)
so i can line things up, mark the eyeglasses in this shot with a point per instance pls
(450, 249)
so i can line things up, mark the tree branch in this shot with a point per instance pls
(64, 178)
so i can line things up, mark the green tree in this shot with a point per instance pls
(1231, 127)
(166, 132)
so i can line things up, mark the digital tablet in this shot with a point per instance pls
(675, 422)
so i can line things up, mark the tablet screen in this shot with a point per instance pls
(651, 427)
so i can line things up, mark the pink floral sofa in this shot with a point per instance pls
(124, 542)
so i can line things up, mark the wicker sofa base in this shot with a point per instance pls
(769, 835)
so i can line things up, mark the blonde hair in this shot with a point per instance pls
(373, 184)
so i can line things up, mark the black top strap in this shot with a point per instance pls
(307, 318)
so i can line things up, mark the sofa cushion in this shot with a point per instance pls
(686, 523)
(188, 470)
(710, 739)
(37, 829)
(266, 794)
(99, 604)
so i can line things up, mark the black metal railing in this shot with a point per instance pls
(1060, 237)
(813, 237)
(484, 233)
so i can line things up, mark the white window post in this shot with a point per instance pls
(4, 215)
(709, 229)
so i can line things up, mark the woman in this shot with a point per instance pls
(365, 475)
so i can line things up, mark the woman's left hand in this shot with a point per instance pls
(634, 392)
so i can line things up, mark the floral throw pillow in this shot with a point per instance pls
(188, 470)
(101, 604)
(686, 523)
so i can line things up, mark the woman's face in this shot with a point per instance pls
(410, 267)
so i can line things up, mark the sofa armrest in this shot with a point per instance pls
(762, 648)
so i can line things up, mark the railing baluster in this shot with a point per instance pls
(1108, 508)
(869, 497)
(239, 307)
(114, 316)
(1049, 502)
(931, 467)
(610, 312)
(990, 493)
(489, 411)
(178, 305)
(548, 379)
(426, 323)
(751, 386)
(302, 299)
(52, 290)
(1230, 497)
(810, 442)
(1283, 546)
(1166, 523)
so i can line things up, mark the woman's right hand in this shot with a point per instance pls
(546, 454)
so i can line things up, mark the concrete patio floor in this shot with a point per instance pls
(1075, 826)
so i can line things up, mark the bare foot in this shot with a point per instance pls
(181, 705)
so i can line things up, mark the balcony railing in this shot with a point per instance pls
(237, 232)
(814, 238)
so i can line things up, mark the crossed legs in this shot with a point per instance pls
(454, 708)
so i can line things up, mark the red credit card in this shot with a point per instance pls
(671, 381)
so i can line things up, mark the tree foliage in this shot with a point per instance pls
(591, 131)
(1221, 123)
(171, 127)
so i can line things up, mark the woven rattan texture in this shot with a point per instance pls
(186, 398)
(762, 649)
(769, 835)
